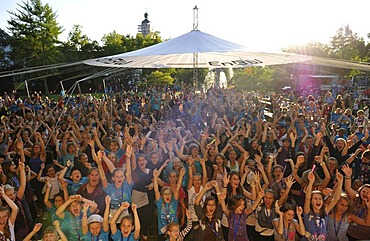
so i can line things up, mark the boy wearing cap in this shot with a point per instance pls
(92, 226)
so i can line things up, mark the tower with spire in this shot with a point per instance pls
(144, 27)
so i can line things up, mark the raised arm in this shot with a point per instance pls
(301, 228)
(137, 222)
(106, 214)
(307, 201)
(199, 197)
(21, 149)
(179, 182)
(103, 178)
(64, 170)
(12, 205)
(47, 202)
(261, 168)
(353, 156)
(204, 170)
(39, 175)
(64, 143)
(64, 185)
(243, 163)
(23, 181)
(319, 160)
(181, 153)
(96, 139)
(300, 161)
(92, 204)
(84, 225)
(348, 172)
(112, 223)
(190, 172)
(221, 198)
(337, 193)
(129, 155)
(34, 231)
(155, 183)
(62, 236)
(289, 183)
(42, 145)
(60, 211)
(279, 225)
(256, 203)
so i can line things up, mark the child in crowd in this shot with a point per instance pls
(50, 233)
(120, 190)
(237, 213)
(96, 228)
(71, 220)
(75, 181)
(286, 227)
(315, 212)
(166, 203)
(209, 215)
(51, 178)
(129, 226)
(173, 229)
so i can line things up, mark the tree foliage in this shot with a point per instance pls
(252, 78)
(347, 45)
(312, 49)
(159, 78)
(115, 43)
(79, 46)
(185, 76)
(5, 61)
(35, 32)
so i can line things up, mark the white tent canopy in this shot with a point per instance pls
(179, 53)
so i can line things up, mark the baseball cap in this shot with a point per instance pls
(95, 218)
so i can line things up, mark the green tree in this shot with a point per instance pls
(347, 45)
(113, 43)
(79, 46)
(312, 49)
(5, 61)
(158, 78)
(185, 76)
(252, 78)
(35, 32)
(76, 39)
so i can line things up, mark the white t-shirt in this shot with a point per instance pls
(192, 196)
(11, 229)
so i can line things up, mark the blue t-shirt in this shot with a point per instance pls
(118, 236)
(72, 225)
(52, 211)
(315, 227)
(119, 195)
(118, 153)
(73, 187)
(65, 158)
(167, 212)
(103, 236)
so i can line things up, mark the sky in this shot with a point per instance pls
(260, 25)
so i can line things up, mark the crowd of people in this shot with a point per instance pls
(182, 165)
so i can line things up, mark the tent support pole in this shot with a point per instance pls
(105, 94)
(28, 91)
(61, 85)
(79, 88)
